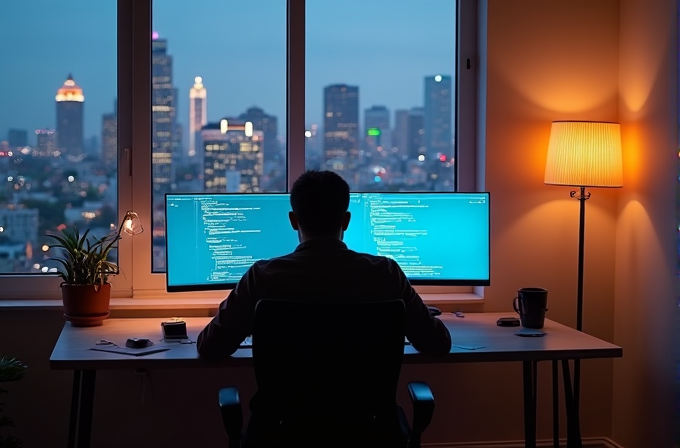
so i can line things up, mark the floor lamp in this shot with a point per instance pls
(583, 154)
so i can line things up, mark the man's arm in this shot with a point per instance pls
(232, 323)
(427, 334)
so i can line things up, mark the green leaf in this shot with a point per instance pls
(11, 369)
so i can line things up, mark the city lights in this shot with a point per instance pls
(67, 178)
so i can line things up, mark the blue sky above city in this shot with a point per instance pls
(386, 47)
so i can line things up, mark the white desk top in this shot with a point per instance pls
(476, 338)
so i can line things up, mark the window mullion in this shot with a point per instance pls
(295, 85)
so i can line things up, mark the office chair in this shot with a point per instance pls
(327, 376)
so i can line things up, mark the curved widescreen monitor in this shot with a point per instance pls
(437, 238)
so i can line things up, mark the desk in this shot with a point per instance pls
(562, 343)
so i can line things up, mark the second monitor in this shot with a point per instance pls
(437, 238)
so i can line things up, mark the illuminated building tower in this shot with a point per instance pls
(437, 118)
(233, 157)
(46, 143)
(163, 116)
(70, 100)
(415, 135)
(400, 132)
(269, 126)
(377, 133)
(198, 113)
(341, 128)
(110, 136)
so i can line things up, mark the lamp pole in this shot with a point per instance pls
(582, 198)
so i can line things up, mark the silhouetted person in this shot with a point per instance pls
(321, 268)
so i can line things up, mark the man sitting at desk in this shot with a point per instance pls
(319, 269)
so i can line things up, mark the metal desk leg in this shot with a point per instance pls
(556, 404)
(530, 383)
(75, 401)
(573, 425)
(82, 401)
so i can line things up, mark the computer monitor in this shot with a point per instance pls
(437, 238)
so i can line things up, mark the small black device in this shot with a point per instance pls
(174, 329)
(434, 311)
(138, 343)
(508, 322)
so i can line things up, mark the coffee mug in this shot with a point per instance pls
(531, 305)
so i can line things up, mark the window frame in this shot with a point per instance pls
(134, 28)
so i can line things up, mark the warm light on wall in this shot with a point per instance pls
(584, 154)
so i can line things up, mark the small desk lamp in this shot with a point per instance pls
(131, 224)
(583, 154)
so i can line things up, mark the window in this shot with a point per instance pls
(379, 98)
(236, 96)
(58, 129)
(218, 101)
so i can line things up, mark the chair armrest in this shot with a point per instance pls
(423, 407)
(232, 414)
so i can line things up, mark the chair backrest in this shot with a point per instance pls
(311, 359)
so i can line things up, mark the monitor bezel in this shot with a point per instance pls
(413, 282)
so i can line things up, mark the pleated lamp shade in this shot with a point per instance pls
(584, 154)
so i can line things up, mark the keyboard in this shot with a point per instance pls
(248, 342)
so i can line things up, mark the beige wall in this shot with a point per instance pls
(646, 304)
(547, 60)
(552, 61)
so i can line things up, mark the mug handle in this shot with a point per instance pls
(515, 303)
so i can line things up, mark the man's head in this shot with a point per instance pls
(319, 200)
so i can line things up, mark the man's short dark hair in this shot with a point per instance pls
(319, 200)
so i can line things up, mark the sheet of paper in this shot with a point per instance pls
(129, 351)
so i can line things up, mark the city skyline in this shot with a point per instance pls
(400, 88)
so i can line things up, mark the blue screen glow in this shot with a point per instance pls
(437, 238)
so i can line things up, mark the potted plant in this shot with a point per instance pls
(11, 369)
(84, 267)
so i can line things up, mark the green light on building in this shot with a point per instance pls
(373, 132)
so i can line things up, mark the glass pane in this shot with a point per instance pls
(379, 93)
(218, 101)
(58, 149)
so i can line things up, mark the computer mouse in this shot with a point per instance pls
(434, 311)
(138, 343)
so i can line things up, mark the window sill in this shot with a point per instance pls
(443, 300)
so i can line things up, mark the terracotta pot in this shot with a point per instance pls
(86, 305)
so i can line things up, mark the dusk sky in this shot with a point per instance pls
(386, 47)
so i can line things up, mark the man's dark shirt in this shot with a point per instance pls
(320, 270)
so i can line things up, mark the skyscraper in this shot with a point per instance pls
(437, 118)
(341, 128)
(233, 157)
(400, 132)
(163, 116)
(377, 140)
(268, 124)
(70, 101)
(110, 136)
(198, 113)
(415, 134)
(46, 145)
